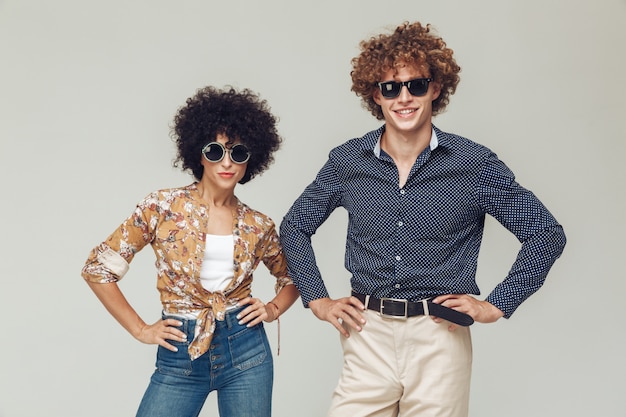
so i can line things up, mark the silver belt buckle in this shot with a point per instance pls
(396, 300)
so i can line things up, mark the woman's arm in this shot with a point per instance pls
(257, 311)
(283, 300)
(158, 333)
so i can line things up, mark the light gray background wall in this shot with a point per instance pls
(87, 92)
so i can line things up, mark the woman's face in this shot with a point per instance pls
(224, 174)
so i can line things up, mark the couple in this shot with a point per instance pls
(416, 198)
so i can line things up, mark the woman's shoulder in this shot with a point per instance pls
(252, 215)
(168, 196)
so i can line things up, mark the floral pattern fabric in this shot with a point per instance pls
(174, 222)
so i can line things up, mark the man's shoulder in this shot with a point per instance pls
(460, 144)
(367, 141)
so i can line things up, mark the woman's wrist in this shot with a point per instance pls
(275, 309)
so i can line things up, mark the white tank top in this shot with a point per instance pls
(217, 265)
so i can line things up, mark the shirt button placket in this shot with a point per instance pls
(401, 238)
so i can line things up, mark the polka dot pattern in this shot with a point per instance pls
(423, 239)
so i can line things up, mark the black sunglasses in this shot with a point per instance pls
(417, 87)
(215, 151)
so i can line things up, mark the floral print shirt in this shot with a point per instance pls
(174, 222)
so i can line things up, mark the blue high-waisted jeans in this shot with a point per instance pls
(238, 365)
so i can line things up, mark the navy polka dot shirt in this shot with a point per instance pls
(421, 240)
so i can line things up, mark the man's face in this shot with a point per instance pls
(407, 114)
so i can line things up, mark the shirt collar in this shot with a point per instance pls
(434, 142)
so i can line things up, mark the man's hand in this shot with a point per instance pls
(481, 311)
(343, 310)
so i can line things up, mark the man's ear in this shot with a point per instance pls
(376, 95)
(436, 90)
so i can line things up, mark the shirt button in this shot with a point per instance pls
(402, 191)
(397, 285)
(398, 257)
(400, 223)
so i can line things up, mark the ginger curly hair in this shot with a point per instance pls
(410, 44)
(239, 115)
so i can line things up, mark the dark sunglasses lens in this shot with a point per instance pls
(418, 87)
(390, 89)
(239, 154)
(214, 152)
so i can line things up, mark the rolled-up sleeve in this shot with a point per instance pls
(109, 261)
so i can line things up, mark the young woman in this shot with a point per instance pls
(207, 244)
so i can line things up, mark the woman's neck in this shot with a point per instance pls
(217, 197)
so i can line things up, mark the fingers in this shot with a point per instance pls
(348, 311)
(168, 346)
(342, 330)
(160, 332)
(254, 314)
(453, 301)
(169, 331)
(340, 313)
(343, 318)
(481, 311)
(356, 303)
(460, 302)
(447, 297)
(451, 326)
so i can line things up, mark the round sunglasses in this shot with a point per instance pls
(417, 87)
(215, 151)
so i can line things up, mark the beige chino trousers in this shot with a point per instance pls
(404, 367)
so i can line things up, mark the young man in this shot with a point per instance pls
(416, 198)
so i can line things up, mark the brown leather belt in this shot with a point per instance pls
(394, 308)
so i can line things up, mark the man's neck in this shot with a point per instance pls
(405, 146)
(404, 149)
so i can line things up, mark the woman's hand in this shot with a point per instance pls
(256, 312)
(160, 332)
(157, 334)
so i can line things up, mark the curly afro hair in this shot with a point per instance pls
(410, 44)
(239, 115)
